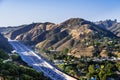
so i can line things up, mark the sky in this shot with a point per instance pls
(18, 12)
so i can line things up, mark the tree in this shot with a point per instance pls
(106, 71)
(15, 57)
(91, 69)
(65, 51)
(3, 55)
(26, 77)
(68, 68)
(101, 74)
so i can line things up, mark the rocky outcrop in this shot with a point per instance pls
(115, 29)
(106, 24)
(110, 25)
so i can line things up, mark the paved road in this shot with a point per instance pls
(35, 61)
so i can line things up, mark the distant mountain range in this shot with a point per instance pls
(76, 34)
(110, 25)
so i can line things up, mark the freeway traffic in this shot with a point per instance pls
(38, 63)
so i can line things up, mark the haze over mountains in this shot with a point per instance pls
(75, 34)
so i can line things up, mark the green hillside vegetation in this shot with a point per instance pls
(85, 67)
(13, 70)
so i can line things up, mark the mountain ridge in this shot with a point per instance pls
(76, 34)
(111, 25)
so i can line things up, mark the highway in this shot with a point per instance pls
(38, 63)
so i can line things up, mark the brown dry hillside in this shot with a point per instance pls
(76, 34)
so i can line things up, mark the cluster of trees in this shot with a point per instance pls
(59, 55)
(11, 71)
(102, 71)
(87, 70)
(77, 68)
(3, 55)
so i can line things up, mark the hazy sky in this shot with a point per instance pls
(17, 12)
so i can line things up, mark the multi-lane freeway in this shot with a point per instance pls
(38, 63)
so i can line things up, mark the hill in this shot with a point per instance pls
(4, 44)
(80, 36)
